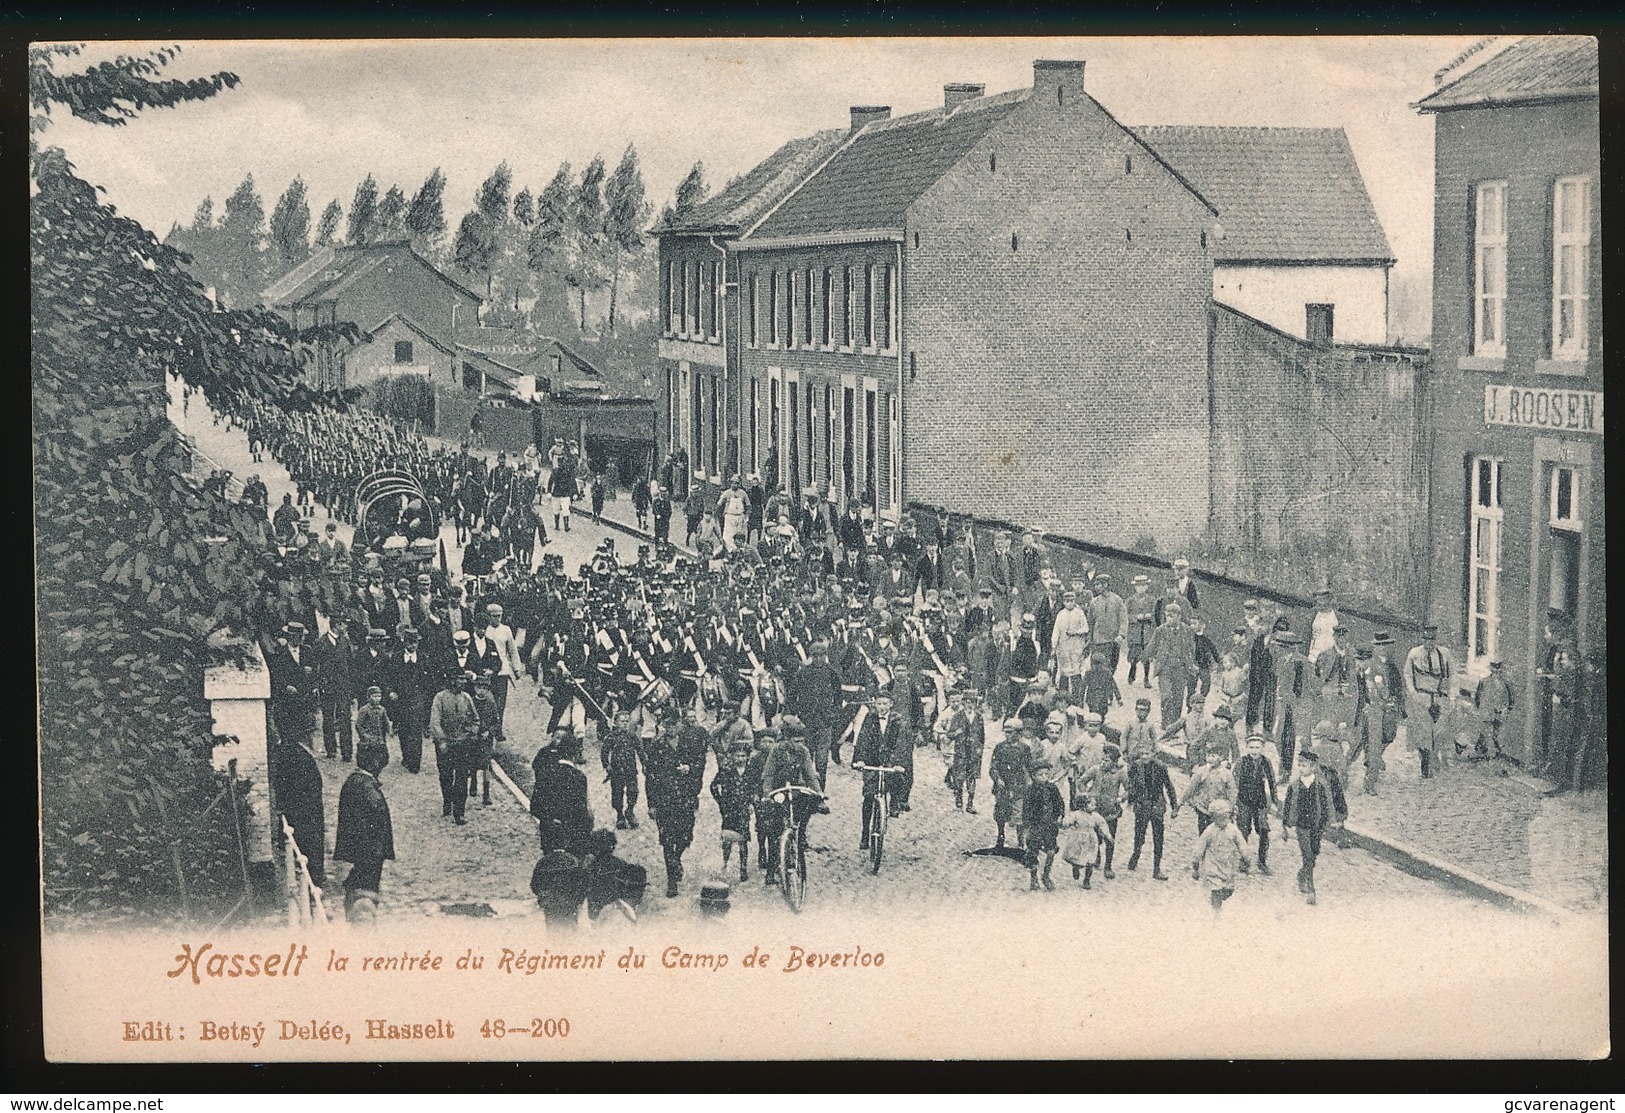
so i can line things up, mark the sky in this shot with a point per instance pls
(333, 111)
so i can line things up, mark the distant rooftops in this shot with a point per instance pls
(1533, 70)
(330, 269)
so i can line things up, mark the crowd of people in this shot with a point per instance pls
(799, 637)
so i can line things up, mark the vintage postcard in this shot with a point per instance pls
(913, 548)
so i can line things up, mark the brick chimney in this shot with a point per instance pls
(957, 93)
(1057, 83)
(869, 113)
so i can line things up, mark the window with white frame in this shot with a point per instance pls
(1484, 560)
(750, 310)
(790, 306)
(772, 308)
(894, 446)
(869, 307)
(1565, 498)
(714, 296)
(1571, 263)
(674, 298)
(755, 426)
(807, 317)
(828, 293)
(848, 299)
(704, 312)
(1490, 270)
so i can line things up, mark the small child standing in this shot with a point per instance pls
(1089, 834)
(1220, 851)
(1044, 810)
(372, 721)
(730, 788)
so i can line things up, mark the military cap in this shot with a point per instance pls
(376, 634)
(1308, 756)
(1287, 637)
(1142, 578)
(1430, 630)
(1363, 653)
(294, 627)
(1382, 637)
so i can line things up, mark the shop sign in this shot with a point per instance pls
(1561, 411)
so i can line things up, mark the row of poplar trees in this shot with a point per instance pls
(575, 253)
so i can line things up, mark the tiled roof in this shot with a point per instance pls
(330, 269)
(872, 182)
(1291, 195)
(1554, 67)
(743, 200)
(413, 326)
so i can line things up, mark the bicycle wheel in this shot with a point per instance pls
(877, 832)
(793, 872)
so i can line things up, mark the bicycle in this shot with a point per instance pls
(876, 833)
(793, 872)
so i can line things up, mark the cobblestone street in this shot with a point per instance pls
(1500, 827)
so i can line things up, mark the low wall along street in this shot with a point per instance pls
(1318, 466)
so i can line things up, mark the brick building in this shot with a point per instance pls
(1018, 280)
(1302, 249)
(1517, 509)
(367, 286)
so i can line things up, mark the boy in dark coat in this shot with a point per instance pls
(365, 837)
(1307, 811)
(730, 788)
(619, 750)
(1148, 787)
(1043, 811)
(1255, 793)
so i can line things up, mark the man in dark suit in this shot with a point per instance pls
(411, 685)
(1184, 584)
(882, 741)
(373, 665)
(293, 685)
(365, 836)
(558, 798)
(335, 679)
(928, 569)
(813, 695)
(296, 783)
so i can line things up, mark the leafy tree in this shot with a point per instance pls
(327, 228)
(590, 237)
(391, 219)
(290, 228)
(690, 191)
(143, 578)
(426, 216)
(363, 213)
(524, 208)
(112, 92)
(492, 198)
(548, 250)
(474, 249)
(241, 243)
(626, 212)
